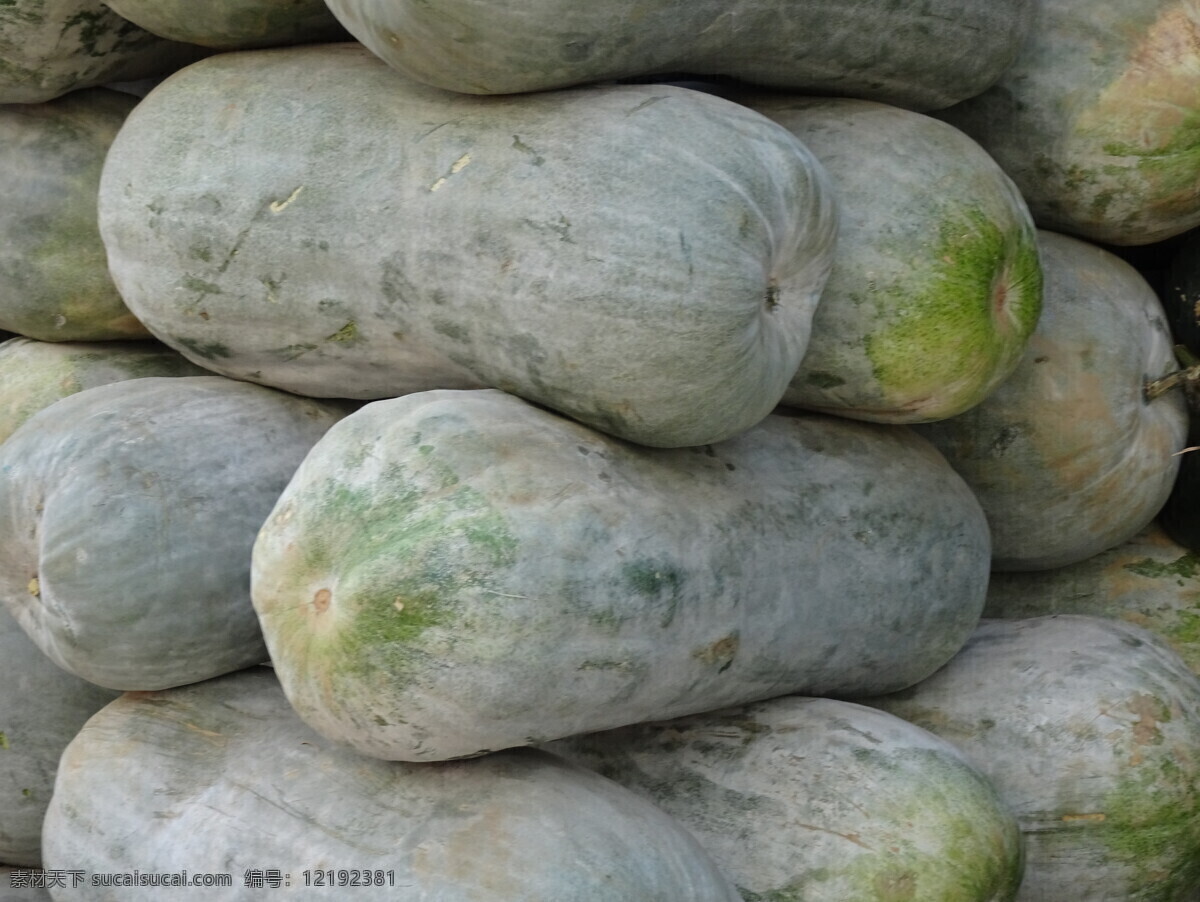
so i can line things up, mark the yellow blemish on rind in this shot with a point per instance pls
(1098, 816)
(279, 206)
(35, 587)
(458, 166)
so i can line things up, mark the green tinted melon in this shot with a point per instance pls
(1149, 581)
(54, 279)
(1097, 120)
(936, 284)
(1069, 456)
(453, 572)
(35, 374)
(821, 800)
(1089, 730)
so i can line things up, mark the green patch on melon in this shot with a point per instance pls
(1150, 817)
(1182, 568)
(1183, 635)
(942, 324)
(447, 554)
(209, 350)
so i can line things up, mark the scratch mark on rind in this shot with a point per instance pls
(280, 206)
(458, 166)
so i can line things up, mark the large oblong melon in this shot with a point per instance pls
(925, 55)
(821, 800)
(453, 572)
(222, 778)
(127, 516)
(643, 258)
(54, 279)
(936, 284)
(1069, 456)
(1089, 730)
(1097, 119)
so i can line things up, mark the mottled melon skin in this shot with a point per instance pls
(1068, 456)
(452, 572)
(35, 374)
(936, 284)
(643, 258)
(238, 25)
(1097, 119)
(51, 47)
(42, 707)
(222, 777)
(127, 516)
(1089, 730)
(820, 800)
(54, 280)
(922, 56)
(1149, 581)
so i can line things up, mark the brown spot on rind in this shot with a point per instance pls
(321, 601)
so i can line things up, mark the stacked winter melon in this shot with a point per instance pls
(626, 472)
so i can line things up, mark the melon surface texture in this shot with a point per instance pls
(51, 47)
(236, 25)
(42, 707)
(35, 374)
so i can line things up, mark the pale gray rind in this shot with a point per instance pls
(54, 279)
(127, 515)
(821, 800)
(222, 777)
(922, 56)
(51, 47)
(42, 707)
(238, 25)
(35, 374)
(1088, 728)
